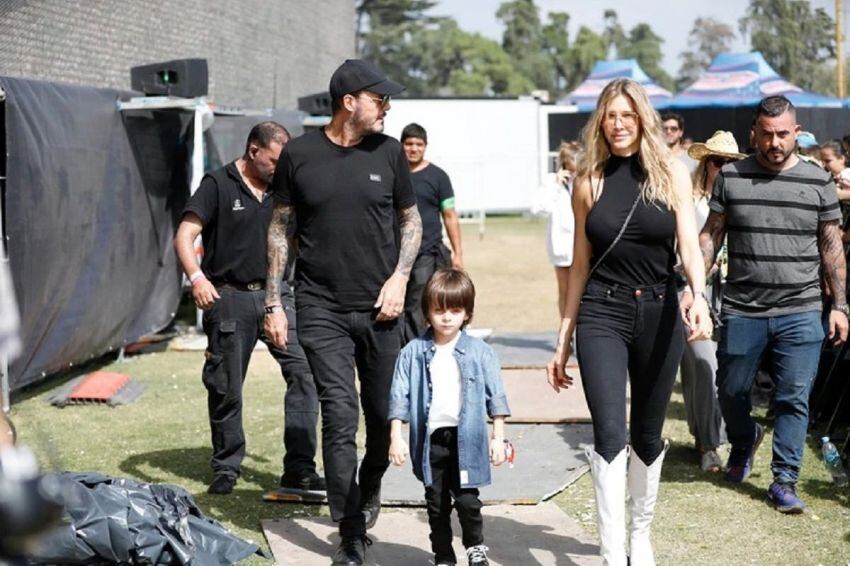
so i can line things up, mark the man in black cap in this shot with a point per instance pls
(347, 189)
(231, 210)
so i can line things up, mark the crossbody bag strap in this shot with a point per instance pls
(617, 239)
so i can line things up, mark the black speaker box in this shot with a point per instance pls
(318, 104)
(185, 78)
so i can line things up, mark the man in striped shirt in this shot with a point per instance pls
(780, 216)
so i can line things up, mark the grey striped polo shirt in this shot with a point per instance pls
(772, 235)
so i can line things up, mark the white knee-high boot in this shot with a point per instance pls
(609, 483)
(643, 492)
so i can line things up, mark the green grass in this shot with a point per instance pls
(164, 437)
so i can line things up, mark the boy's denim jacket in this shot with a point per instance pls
(481, 389)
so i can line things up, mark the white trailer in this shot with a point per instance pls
(496, 151)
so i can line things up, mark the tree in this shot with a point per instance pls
(523, 41)
(707, 39)
(556, 42)
(794, 40)
(614, 36)
(588, 48)
(645, 46)
(385, 28)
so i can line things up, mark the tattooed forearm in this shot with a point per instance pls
(410, 226)
(278, 250)
(832, 259)
(711, 238)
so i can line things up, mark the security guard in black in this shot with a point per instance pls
(232, 210)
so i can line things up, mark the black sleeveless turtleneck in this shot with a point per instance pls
(645, 254)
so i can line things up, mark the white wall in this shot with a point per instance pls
(490, 148)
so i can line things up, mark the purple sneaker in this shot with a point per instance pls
(783, 496)
(740, 462)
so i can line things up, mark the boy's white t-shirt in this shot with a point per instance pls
(445, 387)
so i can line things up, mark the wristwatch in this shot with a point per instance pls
(841, 308)
(273, 308)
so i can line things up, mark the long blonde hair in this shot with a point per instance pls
(654, 156)
(699, 177)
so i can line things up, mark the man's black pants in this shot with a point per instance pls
(445, 486)
(233, 326)
(336, 343)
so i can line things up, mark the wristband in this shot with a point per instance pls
(198, 275)
(841, 308)
(273, 308)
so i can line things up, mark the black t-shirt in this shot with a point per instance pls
(235, 227)
(432, 187)
(346, 200)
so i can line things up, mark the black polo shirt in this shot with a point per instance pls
(235, 227)
(346, 203)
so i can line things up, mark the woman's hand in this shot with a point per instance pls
(398, 450)
(698, 319)
(556, 372)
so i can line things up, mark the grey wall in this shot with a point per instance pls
(261, 53)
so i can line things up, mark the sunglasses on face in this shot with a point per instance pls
(383, 102)
(719, 161)
(670, 128)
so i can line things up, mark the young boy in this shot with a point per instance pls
(445, 384)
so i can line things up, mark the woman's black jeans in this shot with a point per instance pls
(636, 332)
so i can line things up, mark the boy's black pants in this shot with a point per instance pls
(445, 486)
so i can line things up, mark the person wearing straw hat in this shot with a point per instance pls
(699, 361)
(780, 217)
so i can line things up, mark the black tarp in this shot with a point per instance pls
(91, 203)
(121, 521)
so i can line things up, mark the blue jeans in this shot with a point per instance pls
(795, 342)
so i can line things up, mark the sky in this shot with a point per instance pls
(670, 19)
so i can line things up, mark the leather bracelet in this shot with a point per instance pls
(841, 308)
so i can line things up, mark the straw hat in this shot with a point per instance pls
(721, 144)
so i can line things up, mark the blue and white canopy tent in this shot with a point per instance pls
(742, 79)
(584, 96)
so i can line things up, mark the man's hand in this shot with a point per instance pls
(837, 327)
(204, 293)
(275, 327)
(398, 450)
(457, 261)
(391, 298)
(497, 451)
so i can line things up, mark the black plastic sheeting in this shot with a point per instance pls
(120, 521)
(92, 200)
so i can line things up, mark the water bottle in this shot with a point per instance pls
(832, 461)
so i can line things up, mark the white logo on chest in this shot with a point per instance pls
(237, 205)
(374, 177)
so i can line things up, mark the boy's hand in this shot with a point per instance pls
(497, 451)
(398, 450)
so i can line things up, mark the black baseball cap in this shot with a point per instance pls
(357, 74)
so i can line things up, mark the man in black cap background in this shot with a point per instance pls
(347, 190)
(231, 210)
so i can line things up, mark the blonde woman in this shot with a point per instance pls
(632, 204)
(699, 362)
(554, 199)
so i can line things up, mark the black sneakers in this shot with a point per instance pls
(351, 551)
(371, 506)
(309, 482)
(222, 484)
